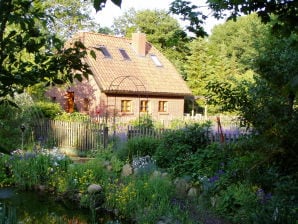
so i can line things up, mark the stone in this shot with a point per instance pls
(126, 170)
(156, 173)
(109, 167)
(193, 192)
(181, 186)
(167, 220)
(94, 188)
(106, 163)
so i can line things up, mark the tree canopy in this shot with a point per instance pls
(29, 53)
(283, 13)
(69, 17)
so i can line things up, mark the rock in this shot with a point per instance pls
(182, 187)
(156, 173)
(126, 170)
(94, 188)
(106, 163)
(193, 192)
(167, 220)
(109, 167)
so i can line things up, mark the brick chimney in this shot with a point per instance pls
(139, 43)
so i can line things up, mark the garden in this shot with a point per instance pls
(178, 178)
(246, 67)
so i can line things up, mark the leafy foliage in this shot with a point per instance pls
(138, 146)
(29, 53)
(47, 109)
(285, 12)
(178, 146)
(69, 17)
(191, 14)
(144, 121)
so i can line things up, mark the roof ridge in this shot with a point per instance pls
(81, 34)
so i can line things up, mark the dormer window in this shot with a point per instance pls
(124, 54)
(156, 60)
(104, 51)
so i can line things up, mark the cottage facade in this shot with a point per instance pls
(130, 78)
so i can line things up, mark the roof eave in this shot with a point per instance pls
(145, 93)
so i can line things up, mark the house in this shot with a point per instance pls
(130, 78)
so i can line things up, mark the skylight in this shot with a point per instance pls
(104, 51)
(124, 54)
(156, 60)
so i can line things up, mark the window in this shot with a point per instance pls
(104, 51)
(124, 54)
(125, 106)
(144, 106)
(162, 106)
(156, 60)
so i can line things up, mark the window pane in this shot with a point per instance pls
(125, 106)
(124, 54)
(104, 51)
(156, 60)
(144, 106)
(162, 106)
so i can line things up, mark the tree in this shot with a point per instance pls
(29, 54)
(206, 67)
(239, 38)
(284, 11)
(69, 17)
(190, 13)
(282, 14)
(268, 102)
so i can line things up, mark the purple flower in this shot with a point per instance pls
(214, 179)
(220, 172)
(262, 196)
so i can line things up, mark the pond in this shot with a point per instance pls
(40, 208)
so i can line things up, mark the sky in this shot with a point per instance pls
(106, 16)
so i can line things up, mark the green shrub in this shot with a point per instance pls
(47, 109)
(279, 204)
(138, 146)
(32, 169)
(237, 202)
(144, 199)
(6, 178)
(10, 122)
(75, 116)
(204, 162)
(179, 145)
(144, 121)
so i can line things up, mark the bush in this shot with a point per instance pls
(75, 116)
(10, 132)
(138, 146)
(145, 121)
(205, 161)
(237, 202)
(144, 199)
(47, 109)
(30, 169)
(179, 145)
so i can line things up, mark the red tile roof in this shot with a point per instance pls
(137, 75)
